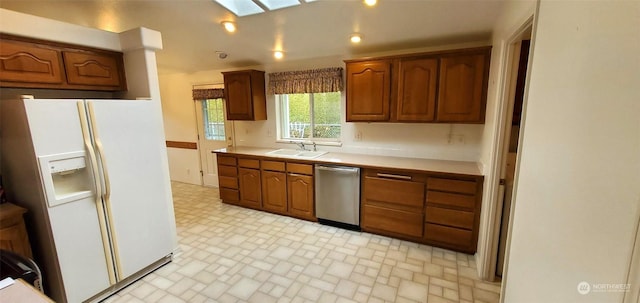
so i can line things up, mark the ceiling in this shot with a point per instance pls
(192, 33)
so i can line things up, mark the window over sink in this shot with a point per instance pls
(309, 116)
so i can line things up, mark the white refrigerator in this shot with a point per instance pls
(95, 179)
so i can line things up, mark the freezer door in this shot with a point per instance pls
(55, 129)
(129, 137)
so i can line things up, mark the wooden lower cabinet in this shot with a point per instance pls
(300, 196)
(453, 213)
(280, 187)
(441, 211)
(228, 179)
(274, 191)
(393, 204)
(250, 189)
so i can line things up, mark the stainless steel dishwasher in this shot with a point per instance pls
(338, 196)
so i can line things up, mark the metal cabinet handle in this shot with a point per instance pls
(392, 176)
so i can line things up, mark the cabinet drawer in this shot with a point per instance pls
(227, 171)
(450, 185)
(272, 165)
(249, 163)
(228, 182)
(407, 193)
(298, 168)
(392, 220)
(449, 217)
(232, 195)
(448, 235)
(226, 160)
(450, 199)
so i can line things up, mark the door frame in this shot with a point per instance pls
(489, 249)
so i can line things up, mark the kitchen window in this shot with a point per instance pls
(309, 116)
(308, 104)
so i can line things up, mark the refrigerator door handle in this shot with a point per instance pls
(107, 188)
(86, 136)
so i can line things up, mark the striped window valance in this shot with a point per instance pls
(208, 93)
(307, 81)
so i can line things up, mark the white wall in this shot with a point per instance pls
(394, 139)
(578, 189)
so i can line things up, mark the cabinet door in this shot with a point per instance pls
(462, 88)
(93, 69)
(368, 90)
(29, 63)
(300, 196)
(417, 90)
(250, 189)
(274, 191)
(237, 89)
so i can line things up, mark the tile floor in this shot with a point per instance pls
(231, 254)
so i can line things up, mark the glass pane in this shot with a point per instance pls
(299, 113)
(213, 113)
(326, 115)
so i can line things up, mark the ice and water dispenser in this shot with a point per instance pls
(66, 177)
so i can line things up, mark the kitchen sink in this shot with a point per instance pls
(299, 154)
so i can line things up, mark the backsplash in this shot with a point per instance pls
(461, 142)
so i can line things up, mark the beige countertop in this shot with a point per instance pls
(413, 164)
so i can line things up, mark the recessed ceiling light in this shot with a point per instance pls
(229, 26)
(355, 38)
(278, 54)
(370, 2)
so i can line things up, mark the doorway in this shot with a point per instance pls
(214, 132)
(511, 140)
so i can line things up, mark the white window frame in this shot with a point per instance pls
(282, 127)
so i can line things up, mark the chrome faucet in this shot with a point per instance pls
(301, 145)
(314, 145)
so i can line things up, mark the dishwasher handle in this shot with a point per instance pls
(352, 170)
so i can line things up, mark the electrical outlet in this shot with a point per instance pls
(269, 133)
(357, 136)
(188, 172)
(459, 139)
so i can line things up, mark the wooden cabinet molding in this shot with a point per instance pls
(437, 87)
(34, 63)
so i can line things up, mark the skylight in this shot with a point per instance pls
(250, 7)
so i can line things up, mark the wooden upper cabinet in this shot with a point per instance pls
(245, 95)
(29, 63)
(93, 69)
(417, 79)
(462, 88)
(439, 87)
(368, 90)
(33, 63)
